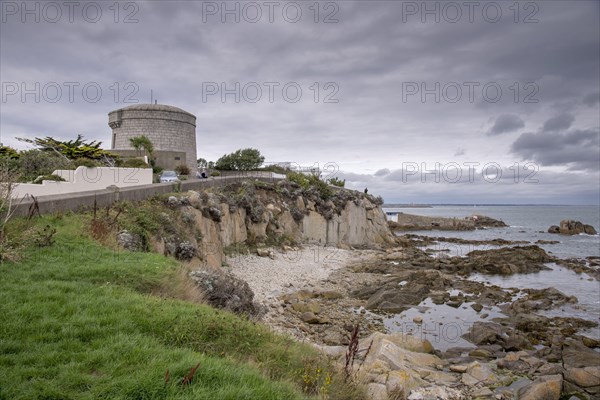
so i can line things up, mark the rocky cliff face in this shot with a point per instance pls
(283, 213)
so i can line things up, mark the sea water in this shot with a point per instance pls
(526, 223)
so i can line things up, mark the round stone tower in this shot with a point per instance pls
(168, 128)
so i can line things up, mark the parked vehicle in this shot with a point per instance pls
(169, 176)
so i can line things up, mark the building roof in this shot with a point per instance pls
(153, 107)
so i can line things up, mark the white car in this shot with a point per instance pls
(169, 176)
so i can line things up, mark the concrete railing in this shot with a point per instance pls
(84, 179)
(107, 197)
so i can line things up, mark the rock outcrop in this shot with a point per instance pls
(407, 222)
(394, 365)
(569, 227)
(243, 213)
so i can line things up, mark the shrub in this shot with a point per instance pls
(39, 179)
(85, 162)
(325, 192)
(337, 182)
(378, 201)
(182, 169)
(33, 163)
(299, 178)
(215, 173)
(135, 163)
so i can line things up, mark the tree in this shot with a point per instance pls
(9, 152)
(202, 163)
(240, 160)
(142, 143)
(73, 149)
(136, 143)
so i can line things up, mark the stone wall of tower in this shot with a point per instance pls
(167, 129)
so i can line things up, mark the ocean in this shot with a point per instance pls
(528, 223)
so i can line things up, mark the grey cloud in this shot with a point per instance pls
(577, 150)
(559, 123)
(459, 152)
(592, 99)
(533, 185)
(382, 172)
(506, 123)
(368, 54)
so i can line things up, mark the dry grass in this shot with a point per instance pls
(178, 285)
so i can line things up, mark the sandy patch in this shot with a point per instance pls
(289, 271)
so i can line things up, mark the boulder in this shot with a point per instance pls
(309, 306)
(400, 383)
(377, 391)
(459, 368)
(481, 353)
(265, 253)
(544, 388)
(570, 227)
(397, 299)
(407, 342)
(481, 373)
(505, 260)
(484, 333)
(223, 290)
(194, 199)
(398, 352)
(130, 241)
(576, 355)
(584, 377)
(185, 251)
(309, 318)
(554, 229)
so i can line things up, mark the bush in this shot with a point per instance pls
(215, 173)
(325, 192)
(39, 179)
(299, 178)
(33, 163)
(157, 170)
(182, 169)
(134, 163)
(85, 162)
(378, 201)
(337, 182)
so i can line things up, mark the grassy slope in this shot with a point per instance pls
(78, 322)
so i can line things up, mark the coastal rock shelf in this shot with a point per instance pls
(410, 222)
(506, 349)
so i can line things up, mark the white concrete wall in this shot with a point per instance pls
(84, 179)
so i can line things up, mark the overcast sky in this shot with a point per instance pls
(434, 102)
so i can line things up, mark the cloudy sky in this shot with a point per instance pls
(434, 102)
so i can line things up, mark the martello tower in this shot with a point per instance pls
(170, 129)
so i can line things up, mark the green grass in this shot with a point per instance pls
(79, 321)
